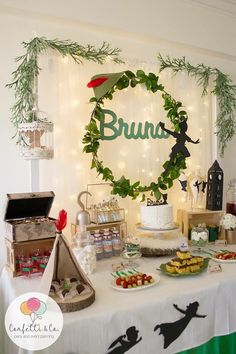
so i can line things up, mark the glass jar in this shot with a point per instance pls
(199, 235)
(231, 197)
(85, 250)
(131, 249)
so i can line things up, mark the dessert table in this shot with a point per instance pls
(179, 313)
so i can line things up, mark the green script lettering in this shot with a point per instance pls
(139, 130)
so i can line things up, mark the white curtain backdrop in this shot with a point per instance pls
(64, 95)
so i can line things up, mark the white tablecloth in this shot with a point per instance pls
(92, 330)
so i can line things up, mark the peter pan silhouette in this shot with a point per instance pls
(204, 184)
(181, 138)
(183, 185)
(197, 184)
(125, 342)
(172, 330)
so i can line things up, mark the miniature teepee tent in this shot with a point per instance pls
(67, 267)
(64, 280)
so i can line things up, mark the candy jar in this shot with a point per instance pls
(42, 264)
(85, 250)
(231, 197)
(27, 267)
(131, 249)
(36, 256)
(199, 235)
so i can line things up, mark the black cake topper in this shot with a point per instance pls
(172, 330)
(163, 201)
(125, 342)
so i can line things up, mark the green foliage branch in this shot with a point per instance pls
(223, 88)
(175, 113)
(25, 76)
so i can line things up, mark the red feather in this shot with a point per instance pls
(61, 221)
(97, 82)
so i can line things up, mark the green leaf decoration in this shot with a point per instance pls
(175, 113)
(223, 88)
(25, 76)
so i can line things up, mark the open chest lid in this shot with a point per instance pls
(26, 205)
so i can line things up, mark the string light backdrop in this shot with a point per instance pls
(64, 95)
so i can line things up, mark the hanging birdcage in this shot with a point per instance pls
(36, 136)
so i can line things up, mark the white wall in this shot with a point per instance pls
(140, 29)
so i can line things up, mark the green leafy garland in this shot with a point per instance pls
(25, 75)
(175, 113)
(224, 90)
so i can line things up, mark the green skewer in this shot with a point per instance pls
(207, 252)
(227, 251)
(212, 250)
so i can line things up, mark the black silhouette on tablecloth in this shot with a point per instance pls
(181, 138)
(125, 342)
(172, 330)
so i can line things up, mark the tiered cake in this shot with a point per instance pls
(158, 233)
(157, 216)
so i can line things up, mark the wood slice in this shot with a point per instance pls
(77, 303)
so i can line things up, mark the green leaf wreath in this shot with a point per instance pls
(25, 76)
(91, 140)
(223, 88)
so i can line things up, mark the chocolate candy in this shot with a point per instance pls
(80, 288)
(64, 292)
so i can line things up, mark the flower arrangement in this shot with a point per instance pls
(228, 222)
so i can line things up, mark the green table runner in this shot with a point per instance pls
(217, 345)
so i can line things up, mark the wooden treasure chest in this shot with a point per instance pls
(26, 217)
(18, 250)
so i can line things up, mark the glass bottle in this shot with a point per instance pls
(116, 242)
(85, 250)
(98, 241)
(107, 245)
(231, 197)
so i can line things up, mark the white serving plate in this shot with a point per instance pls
(175, 226)
(142, 287)
(223, 260)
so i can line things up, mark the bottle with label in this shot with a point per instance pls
(98, 241)
(116, 242)
(85, 250)
(231, 197)
(107, 245)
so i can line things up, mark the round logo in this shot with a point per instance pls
(33, 321)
